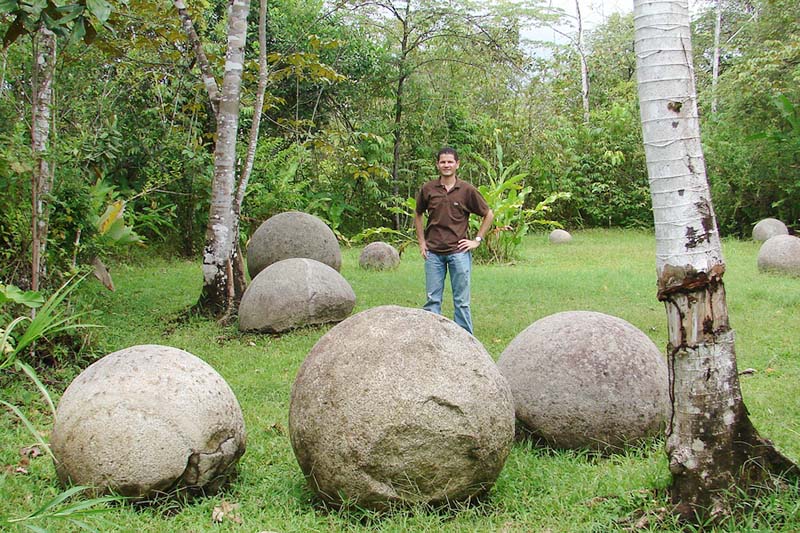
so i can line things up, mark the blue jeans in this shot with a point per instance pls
(460, 267)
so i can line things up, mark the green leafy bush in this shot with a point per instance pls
(506, 194)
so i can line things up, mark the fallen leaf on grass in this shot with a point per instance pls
(30, 451)
(226, 510)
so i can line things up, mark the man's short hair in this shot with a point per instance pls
(447, 150)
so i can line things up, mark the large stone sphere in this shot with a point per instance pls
(398, 406)
(379, 256)
(148, 420)
(769, 227)
(559, 236)
(583, 379)
(294, 293)
(781, 254)
(292, 234)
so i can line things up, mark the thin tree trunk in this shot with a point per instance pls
(42, 179)
(711, 443)
(584, 65)
(398, 119)
(715, 60)
(220, 291)
(209, 80)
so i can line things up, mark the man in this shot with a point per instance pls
(444, 245)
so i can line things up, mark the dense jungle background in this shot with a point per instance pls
(359, 97)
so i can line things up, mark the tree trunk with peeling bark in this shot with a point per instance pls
(42, 179)
(711, 443)
(222, 284)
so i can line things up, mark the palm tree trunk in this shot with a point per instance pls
(711, 443)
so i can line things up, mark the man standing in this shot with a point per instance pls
(443, 243)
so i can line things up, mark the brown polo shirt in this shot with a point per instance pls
(448, 213)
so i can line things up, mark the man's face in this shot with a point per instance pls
(447, 165)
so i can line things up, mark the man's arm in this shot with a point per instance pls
(467, 244)
(419, 226)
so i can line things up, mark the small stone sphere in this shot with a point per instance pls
(559, 236)
(583, 379)
(145, 421)
(398, 406)
(769, 227)
(379, 256)
(294, 293)
(292, 234)
(780, 254)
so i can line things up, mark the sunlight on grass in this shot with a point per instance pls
(609, 271)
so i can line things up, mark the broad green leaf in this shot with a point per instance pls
(99, 8)
(12, 293)
(8, 6)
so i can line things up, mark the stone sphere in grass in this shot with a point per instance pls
(583, 379)
(780, 254)
(294, 293)
(379, 256)
(292, 234)
(767, 228)
(397, 406)
(145, 421)
(559, 236)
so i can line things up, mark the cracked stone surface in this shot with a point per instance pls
(146, 420)
(767, 228)
(293, 293)
(292, 234)
(780, 254)
(400, 406)
(583, 379)
(379, 256)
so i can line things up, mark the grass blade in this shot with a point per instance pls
(35, 378)
(31, 428)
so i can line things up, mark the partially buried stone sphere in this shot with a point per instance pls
(294, 293)
(400, 406)
(379, 256)
(767, 228)
(582, 379)
(292, 234)
(148, 420)
(559, 236)
(780, 254)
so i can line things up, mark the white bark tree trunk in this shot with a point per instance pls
(712, 445)
(584, 65)
(42, 179)
(220, 286)
(715, 59)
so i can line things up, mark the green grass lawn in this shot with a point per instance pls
(609, 271)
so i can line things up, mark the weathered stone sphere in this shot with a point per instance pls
(292, 234)
(148, 420)
(398, 406)
(781, 254)
(559, 236)
(379, 256)
(769, 227)
(294, 293)
(583, 379)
